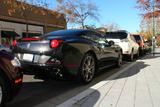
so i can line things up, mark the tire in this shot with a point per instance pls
(131, 56)
(87, 69)
(3, 92)
(120, 60)
(1, 95)
(138, 53)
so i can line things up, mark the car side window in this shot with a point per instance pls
(132, 38)
(93, 36)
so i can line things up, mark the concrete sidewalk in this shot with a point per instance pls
(136, 86)
(157, 51)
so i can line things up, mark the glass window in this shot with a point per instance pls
(94, 36)
(132, 38)
(7, 37)
(116, 35)
(29, 35)
(137, 38)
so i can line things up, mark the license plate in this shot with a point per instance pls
(28, 57)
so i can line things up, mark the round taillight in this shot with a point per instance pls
(14, 43)
(54, 43)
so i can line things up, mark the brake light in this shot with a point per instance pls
(31, 39)
(15, 43)
(141, 44)
(18, 81)
(55, 43)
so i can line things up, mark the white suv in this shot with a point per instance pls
(126, 41)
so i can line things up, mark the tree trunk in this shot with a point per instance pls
(83, 24)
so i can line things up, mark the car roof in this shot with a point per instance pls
(70, 31)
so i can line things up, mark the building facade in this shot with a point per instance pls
(33, 21)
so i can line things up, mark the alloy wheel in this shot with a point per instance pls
(88, 68)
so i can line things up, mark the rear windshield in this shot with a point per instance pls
(137, 37)
(116, 35)
(64, 33)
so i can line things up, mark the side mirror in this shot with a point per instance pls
(111, 43)
(106, 41)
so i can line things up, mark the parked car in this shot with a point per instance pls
(125, 41)
(147, 45)
(78, 53)
(4, 48)
(10, 77)
(139, 39)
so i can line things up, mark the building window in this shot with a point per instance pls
(7, 37)
(29, 35)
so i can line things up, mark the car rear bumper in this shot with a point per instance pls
(53, 69)
(52, 64)
(16, 84)
(40, 67)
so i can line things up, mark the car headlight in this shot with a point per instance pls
(15, 62)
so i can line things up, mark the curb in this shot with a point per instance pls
(88, 91)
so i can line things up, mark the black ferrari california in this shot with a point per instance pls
(79, 53)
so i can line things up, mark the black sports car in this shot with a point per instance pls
(79, 53)
(10, 77)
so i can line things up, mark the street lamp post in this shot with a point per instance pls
(153, 22)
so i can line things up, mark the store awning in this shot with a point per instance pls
(9, 34)
(29, 35)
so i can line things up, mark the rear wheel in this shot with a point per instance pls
(138, 53)
(120, 60)
(87, 68)
(131, 56)
(3, 92)
(1, 95)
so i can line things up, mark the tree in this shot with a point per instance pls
(150, 9)
(112, 27)
(147, 7)
(77, 11)
(146, 29)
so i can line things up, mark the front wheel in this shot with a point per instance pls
(87, 68)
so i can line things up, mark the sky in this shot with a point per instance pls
(121, 12)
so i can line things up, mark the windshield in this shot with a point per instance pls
(137, 38)
(116, 35)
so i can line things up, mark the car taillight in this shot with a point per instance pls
(14, 43)
(141, 44)
(55, 43)
(17, 81)
(31, 39)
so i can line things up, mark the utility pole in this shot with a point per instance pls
(153, 25)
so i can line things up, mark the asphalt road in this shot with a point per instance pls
(35, 92)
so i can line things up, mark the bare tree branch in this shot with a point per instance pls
(77, 11)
